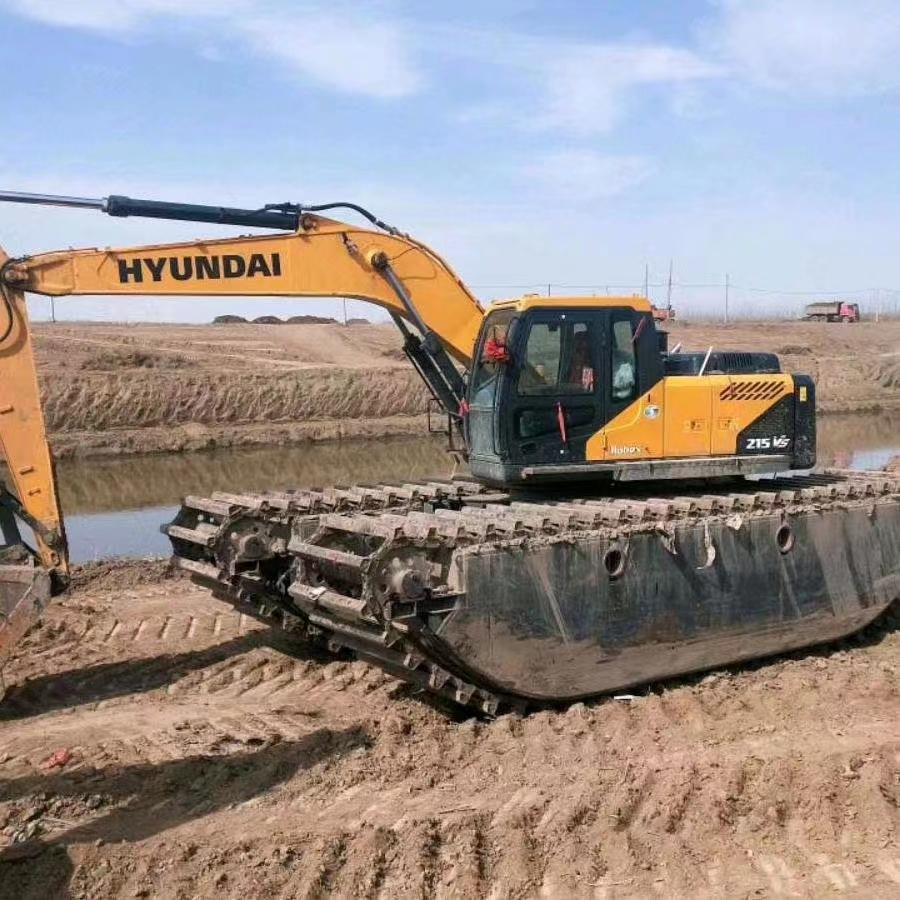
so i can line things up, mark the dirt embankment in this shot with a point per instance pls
(155, 744)
(120, 389)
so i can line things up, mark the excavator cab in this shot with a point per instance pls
(583, 389)
(548, 376)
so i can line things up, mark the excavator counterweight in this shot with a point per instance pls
(630, 514)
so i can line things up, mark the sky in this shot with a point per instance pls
(569, 144)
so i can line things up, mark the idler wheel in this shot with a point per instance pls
(249, 542)
(406, 577)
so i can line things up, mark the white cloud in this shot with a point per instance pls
(586, 87)
(818, 47)
(354, 50)
(588, 175)
(366, 48)
(352, 56)
(118, 16)
(577, 87)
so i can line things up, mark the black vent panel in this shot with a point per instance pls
(752, 390)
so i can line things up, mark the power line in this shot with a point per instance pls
(691, 285)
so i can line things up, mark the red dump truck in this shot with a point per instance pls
(832, 311)
(663, 314)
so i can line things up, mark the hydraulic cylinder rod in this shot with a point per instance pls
(117, 205)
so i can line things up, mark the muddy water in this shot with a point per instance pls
(136, 482)
(114, 507)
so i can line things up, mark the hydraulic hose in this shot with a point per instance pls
(322, 207)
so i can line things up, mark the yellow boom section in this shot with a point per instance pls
(325, 258)
(22, 436)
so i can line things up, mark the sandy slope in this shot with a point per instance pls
(207, 762)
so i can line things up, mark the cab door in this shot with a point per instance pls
(552, 401)
(483, 420)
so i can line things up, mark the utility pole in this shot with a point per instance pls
(345, 311)
(549, 292)
(647, 280)
(669, 290)
(53, 309)
(726, 298)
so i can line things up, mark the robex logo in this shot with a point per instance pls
(199, 268)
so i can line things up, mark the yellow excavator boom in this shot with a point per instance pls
(310, 262)
(321, 257)
(325, 258)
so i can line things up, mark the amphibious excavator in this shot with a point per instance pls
(629, 514)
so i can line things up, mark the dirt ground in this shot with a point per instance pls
(155, 744)
(146, 388)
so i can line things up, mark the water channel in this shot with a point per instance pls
(115, 505)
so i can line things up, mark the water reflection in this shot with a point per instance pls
(135, 482)
(859, 441)
(129, 532)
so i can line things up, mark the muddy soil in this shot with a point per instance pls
(150, 388)
(155, 744)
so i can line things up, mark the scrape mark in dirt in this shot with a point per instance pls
(332, 860)
(430, 857)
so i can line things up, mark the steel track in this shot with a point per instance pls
(371, 568)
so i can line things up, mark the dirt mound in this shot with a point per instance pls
(113, 574)
(203, 761)
(793, 350)
(311, 320)
(267, 320)
(229, 320)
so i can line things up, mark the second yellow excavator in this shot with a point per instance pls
(607, 535)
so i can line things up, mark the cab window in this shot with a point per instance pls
(623, 371)
(558, 359)
(487, 372)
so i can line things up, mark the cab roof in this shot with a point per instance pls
(536, 301)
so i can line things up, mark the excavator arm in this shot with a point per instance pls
(319, 257)
(324, 258)
(28, 576)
